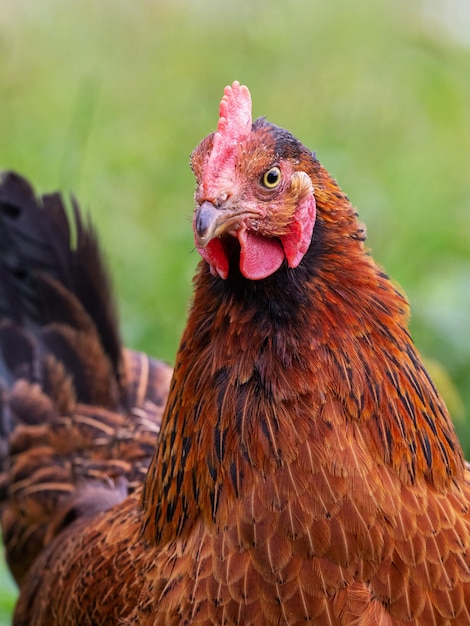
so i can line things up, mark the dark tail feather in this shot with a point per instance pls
(79, 416)
(47, 283)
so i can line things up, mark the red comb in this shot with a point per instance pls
(234, 127)
(234, 115)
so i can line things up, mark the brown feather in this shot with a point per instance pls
(306, 467)
(79, 427)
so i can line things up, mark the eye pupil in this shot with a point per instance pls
(272, 178)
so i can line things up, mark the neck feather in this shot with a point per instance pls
(259, 364)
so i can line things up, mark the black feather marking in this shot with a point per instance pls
(430, 421)
(165, 471)
(179, 480)
(387, 437)
(187, 442)
(170, 509)
(393, 377)
(450, 441)
(212, 471)
(236, 477)
(426, 447)
(214, 495)
(220, 438)
(172, 437)
(408, 405)
(195, 486)
(414, 383)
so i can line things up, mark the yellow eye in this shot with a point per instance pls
(271, 178)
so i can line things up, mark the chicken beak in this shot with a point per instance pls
(209, 222)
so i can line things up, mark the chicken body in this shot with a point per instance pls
(306, 468)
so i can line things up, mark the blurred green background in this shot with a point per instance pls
(108, 98)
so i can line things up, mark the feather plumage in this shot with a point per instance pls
(79, 413)
(306, 467)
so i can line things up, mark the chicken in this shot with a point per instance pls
(306, 468)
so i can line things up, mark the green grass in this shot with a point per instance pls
(7, 595)
(107, 99)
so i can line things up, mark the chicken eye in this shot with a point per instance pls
(271, 178)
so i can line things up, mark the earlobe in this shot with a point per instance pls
(297, 241)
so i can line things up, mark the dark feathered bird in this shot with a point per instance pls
(306, 468)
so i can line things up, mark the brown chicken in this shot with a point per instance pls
(306, 468)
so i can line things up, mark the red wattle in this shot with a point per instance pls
(214, 254)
